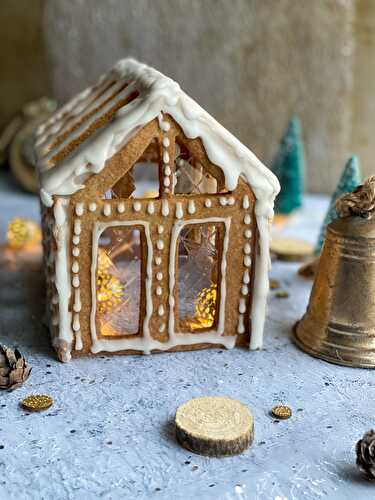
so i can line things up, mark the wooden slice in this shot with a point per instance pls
(291, 249)
(214, 426)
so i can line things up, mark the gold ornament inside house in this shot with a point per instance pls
(339, 324)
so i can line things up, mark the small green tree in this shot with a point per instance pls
(350, 179)
(289, 168)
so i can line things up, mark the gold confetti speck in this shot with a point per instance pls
(282, 412)
(274, 284)
(282, 294)
(37, 402)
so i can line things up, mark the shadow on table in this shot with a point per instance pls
(354, 475)
(22, 300)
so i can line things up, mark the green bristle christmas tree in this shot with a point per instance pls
(289, 167)
(350, 179)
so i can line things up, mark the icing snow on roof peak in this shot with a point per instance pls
(138, 94)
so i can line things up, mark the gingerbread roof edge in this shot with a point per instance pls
(154, 94)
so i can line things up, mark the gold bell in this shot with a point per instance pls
(339, 324)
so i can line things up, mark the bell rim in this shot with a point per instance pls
(325, 357)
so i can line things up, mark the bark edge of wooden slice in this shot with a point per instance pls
(291, 249)
(215, 426)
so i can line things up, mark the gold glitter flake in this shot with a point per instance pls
(282, 412)
(37, 402)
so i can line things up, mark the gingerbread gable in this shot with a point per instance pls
(211, 208)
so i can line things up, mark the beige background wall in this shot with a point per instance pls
(251, 63)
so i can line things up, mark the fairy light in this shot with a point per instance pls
(23, 234)
(205, 307)
(109, 289)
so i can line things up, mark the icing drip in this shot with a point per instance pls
(165, 208)
(79, 209)
(77, 301)
(242, 306)
(75, 281)
(161, 310)
(179, 210)
(158, 261)
(247, 219)
(191, 207)
(166, 142)
(75, 267)
(75, 251)
(137, 206)
(247, 261)
(76, 324)
(247, 249)
(76, 240)
(159, 244)
(77, 227)
(150, 207)
(241, 325)
(107, 209)
(245, 202)
(165, 157)
(78, 344)
(246, 277)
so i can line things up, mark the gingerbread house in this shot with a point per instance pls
(155, 222)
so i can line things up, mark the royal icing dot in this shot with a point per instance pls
(79, 209)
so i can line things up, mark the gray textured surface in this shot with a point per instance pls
(251, 63)
(109, 434)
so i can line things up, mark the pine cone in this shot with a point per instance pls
(366, 453)
(13, 368)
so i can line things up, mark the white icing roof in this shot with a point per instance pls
(156, 94)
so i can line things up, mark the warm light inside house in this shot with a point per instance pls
(205, 306)
(118, 281)
(198, 275)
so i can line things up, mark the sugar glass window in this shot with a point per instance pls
(191, 176)
(118, 281)
(198, 272)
